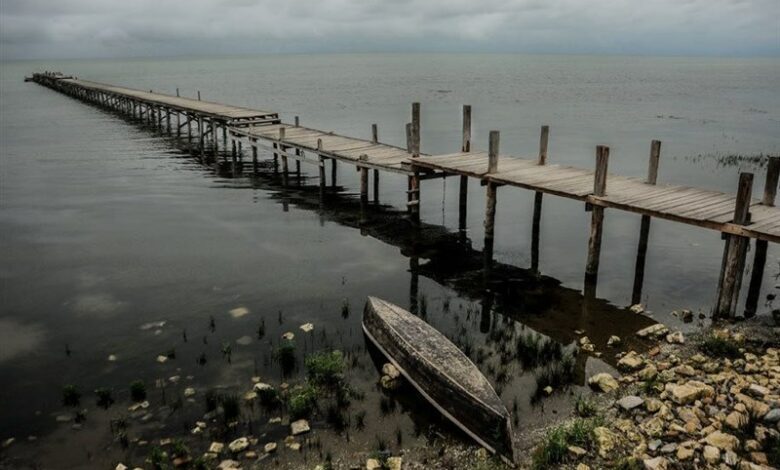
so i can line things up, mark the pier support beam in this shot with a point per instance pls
(597, 217)
(375, 139)
(490, 210)
(285, 168)
(759, 258)
(538, 196)
(321, 168)
(254, 155)
(463, 196)
(644, 229)
(414, 180)
(734, 253)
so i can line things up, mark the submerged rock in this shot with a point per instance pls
(270, 447)
(239, 312)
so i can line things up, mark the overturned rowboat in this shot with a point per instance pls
(441, 373)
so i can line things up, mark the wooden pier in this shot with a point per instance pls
(738, 217)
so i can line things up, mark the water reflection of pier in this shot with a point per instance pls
(447, 257)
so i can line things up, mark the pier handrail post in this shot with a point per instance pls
(543, 137)
(465, 147)
(493, 152)
(759, 258)
(283, 153)
(734, 252)
(597, 217)
(198, 95)
(644, 228)
(374, 133)
(321, 168)
(375, 140)
(297, 121)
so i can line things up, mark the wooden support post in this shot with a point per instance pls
(363, 181)
(168, 121)
(597, 216)
(198, 95)
(376, 186)
(189, 129)
(224, 136)
(536, 224)
(297, 122)
(759, 258)
(734, 252)
(465, 146)
(321, 168)
(414, 180)
(254, 155)
(333, 172)
(214, 140)
(644, 229)
(490, 210)
(177, 91)
(285, 169)
(374, 133)
(200, 137)
(178, 123)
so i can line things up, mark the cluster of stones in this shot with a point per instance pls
(691, 412)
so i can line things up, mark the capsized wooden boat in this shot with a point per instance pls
(441, 373)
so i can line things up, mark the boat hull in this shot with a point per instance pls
(425, 358)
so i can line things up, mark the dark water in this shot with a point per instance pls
(107, 226)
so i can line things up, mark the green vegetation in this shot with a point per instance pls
(104, 398)
(302, 401)
(285, 354)
(179, 449)
(629, 463)
(70, 396)
(138, 390)
(716, 346)
(230, 407)
(554, 448)
(584, 407)
(158, 458)
(325, 368)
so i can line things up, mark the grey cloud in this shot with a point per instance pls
(110, 28)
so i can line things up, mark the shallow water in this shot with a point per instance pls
(107, 226)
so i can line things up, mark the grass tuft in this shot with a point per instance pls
(325, 368)
(719, 347)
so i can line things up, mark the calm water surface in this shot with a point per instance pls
(107, 226)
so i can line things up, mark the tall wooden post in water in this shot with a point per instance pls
(644, 229)
(537, 217)
(414, 180)
(734, 252)
(375, 139)
(465, 146)
(597, 216)
(490, 210)
(759, 259)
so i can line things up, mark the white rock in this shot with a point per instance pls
(613, 340)
(675, 338)
(162, 359)
(239, 444)
(630, 402)
(189, 391)
(216, 447)
(270, 447)
(299, 427)
(307, 327)
(120, 466)
(604, 382)
(112, 358)
(637, 308)
(391, 371)
(289, 336)
(239, 312)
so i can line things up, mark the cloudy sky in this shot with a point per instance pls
(133, 28)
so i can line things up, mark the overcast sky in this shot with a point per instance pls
(133, 28)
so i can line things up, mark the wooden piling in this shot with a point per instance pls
(285, 168)
(597, 215)
(254, 155)
(375, 139)
(734, 252)
(198, 95)
(297, 122)
(538, 197)
(321, 169)
(465, 146)
(374, 133)
(644, 228)
(759, 258)
(363, 181)
(490, 210)
(414, 179)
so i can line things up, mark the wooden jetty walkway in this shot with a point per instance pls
(738, 217)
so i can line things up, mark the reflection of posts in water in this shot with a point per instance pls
(538, 197)
(283, 151)
(644, 229)
(486, 316)
(734, 253)
(597, 216)
(414, 265)
(465, 147)
(759, 259)
(490, 210)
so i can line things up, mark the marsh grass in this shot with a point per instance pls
(231, 407)
(719, 347)
(584, 407)
(285, 356)
(138, 391)
(325, 369)
(104, 398)
(553, 450)
(70, 395)
(302, 401)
